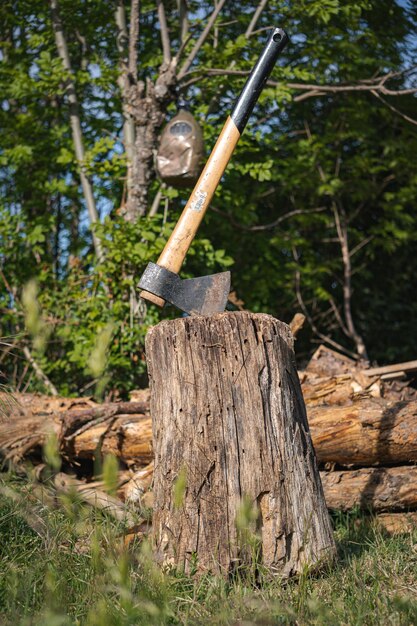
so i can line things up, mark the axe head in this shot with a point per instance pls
(197, 296)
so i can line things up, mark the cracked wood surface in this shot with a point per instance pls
(348, 426)
(371, 488)
(372, 431)
(228, 412)
(84, 429)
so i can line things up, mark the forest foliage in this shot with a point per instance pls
(316, 211)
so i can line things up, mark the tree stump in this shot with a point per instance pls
(230, 428)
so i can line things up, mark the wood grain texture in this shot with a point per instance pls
(338, 390)
(228, 411)
(371, 431)
(371, 488)
(84, 429)
(151, 297)
(362, 431)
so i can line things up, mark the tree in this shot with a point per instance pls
(320, 189)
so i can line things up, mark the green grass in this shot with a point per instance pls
(79, 572)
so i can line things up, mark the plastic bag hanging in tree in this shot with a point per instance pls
(181, 150)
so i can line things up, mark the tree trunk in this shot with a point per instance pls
(75, 121)
(236, 477)
(372, 488)
(147, 106)
(123, 82)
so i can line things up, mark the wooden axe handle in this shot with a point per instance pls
(172, 256)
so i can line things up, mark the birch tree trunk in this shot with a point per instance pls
(77, 136)
(123, 82)
(231, 443)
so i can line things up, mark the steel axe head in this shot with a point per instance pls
(197, 296)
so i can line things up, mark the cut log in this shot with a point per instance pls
(128, 437)
(371, 488)
(135, 489)
(327, 362)
(230, 429)
(84, 430)
(344, 389)
(371, 431)
(397, 523)
(297, 323)
(329, 365)
(364, 431)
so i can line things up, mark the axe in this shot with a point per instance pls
(208, 294)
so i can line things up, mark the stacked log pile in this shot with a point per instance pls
(364, 428)
(363, 424)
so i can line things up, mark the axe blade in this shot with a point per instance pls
(197, 296)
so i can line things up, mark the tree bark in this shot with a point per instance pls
(148, 102)
(371, 488)
(77, 135)
(147, 106)
(397, 523)
(84, 430)
(230, 431)
(123, 82)
(367, 431)
(370, 431)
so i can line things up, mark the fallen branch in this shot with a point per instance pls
(354, 420)
(408, 366)
(84, 429)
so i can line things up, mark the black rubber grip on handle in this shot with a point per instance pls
(257, 78)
